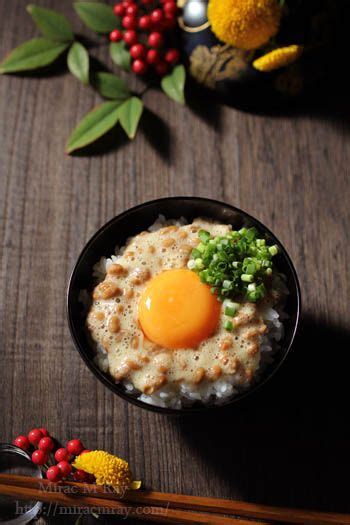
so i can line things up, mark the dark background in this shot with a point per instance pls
(289, 443)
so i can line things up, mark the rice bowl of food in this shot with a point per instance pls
(183, 303)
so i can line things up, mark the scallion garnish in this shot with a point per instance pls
(228, 325)
(234, 265)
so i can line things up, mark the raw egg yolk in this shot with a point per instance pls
(176, 310)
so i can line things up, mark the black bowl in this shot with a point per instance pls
(139, 218)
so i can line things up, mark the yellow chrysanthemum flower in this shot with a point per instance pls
(246, 24)
(278, 58)
(107, 469)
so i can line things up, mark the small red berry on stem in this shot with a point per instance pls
(172, 56)
(115, 35)
(85, 451)
(137, 51)
(54, 473)
(46, 444)
(130, 37)
(62, 454)
(39, 457)
(155, 39)
(81, 476)
(22, 442)
(65, 468)
(156, 16)
(129, 22)
(144, 22)
(44, 431)
(132, 10)
(35, 436)
(119, 10)
(139, 66)
(170, 8)
(152, 56)
(75, 447)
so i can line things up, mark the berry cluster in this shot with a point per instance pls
(44, 445)
(146, 30)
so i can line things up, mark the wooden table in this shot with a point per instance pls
(288, 444)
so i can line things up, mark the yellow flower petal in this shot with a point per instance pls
(107, 469)
(135, 485)
(278, 58)
(246, 24)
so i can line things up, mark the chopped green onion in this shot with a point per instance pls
(199, 264)
(195, 254)
(204, 236)
(191, 264)
(234, 265)
(247, 278)
(230, 311)
(228, 325)
(273, 249)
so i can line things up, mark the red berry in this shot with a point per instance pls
(46, 444)
(65, 468)
(39, 457)
(35, 436)
(144, 22)
(169, 21)
(62, 454)
(130, 37)
(85, 451)
(137, 51)
(44, 431)
(126, 3)
(139, 67)
(172, 56)
(81, 476)
(170, 8)
(152, 56)
(54, 473)
(161, 68)
(147, 2)
(22, 442)
(115, 35)
(156, 16)
(129, 22)
(131, 10)
(119, 10)
(75, 446)
(155, 39)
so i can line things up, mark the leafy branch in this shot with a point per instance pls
(122, 106)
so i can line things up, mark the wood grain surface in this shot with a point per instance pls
(287, 444)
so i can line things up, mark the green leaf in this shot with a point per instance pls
(78, 62)
(79, 520)
(111, 86)
(129, 115)
(174, 84)
(33, 54)
(120, 55)
(97, 16)
(95, 124)
(52, 25)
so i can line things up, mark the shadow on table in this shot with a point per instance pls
(289, 443)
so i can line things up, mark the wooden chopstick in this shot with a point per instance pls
(187, 503)
(103, 505)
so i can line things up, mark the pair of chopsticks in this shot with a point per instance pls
(161, 507)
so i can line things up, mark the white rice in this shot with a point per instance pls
(207, 392)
